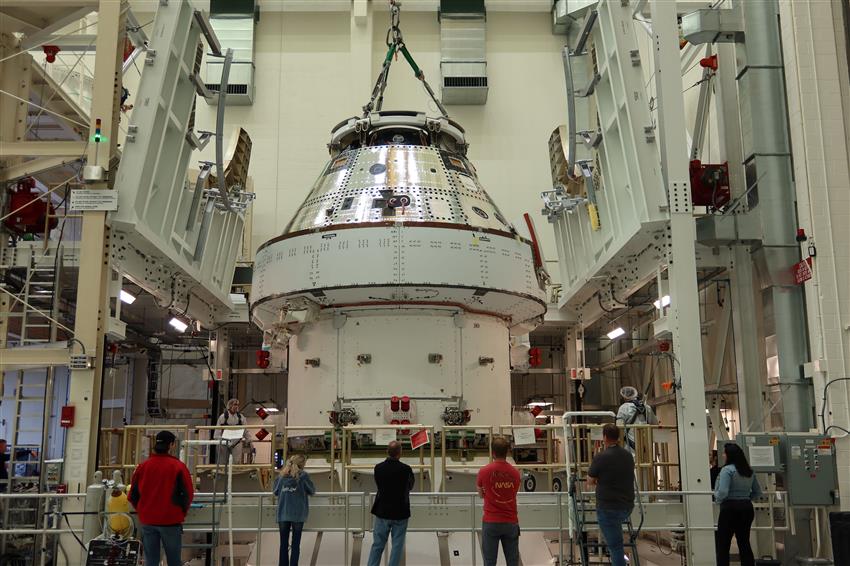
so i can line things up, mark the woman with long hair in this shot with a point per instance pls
(292, 489)
(736, 488)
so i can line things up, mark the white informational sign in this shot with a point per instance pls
(524, 436)
(761, 456)
(94, 199)
(383, 436)
(596, 433)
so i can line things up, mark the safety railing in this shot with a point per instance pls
(330, 455)
(652, 451)
(349, 513)
(459, 434)
(199, 461)
(123, 449)
(426, 453)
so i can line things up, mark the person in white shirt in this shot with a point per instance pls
(232, 417)
(633, 411)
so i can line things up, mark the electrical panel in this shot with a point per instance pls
(811, 475)
(805, 461)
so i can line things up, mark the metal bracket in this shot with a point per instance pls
(558, 201)
(590, 88)
(584, 35)
(590, 138)
(206, 28)
(150, 57)
(200, 87)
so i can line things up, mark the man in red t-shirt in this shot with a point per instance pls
(498, 483)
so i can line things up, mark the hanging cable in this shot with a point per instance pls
(395, 45)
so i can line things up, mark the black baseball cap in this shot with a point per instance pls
(164, 438)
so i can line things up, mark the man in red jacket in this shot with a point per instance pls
(161, 491)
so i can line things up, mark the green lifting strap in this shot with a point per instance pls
(416, 70)
(390, 53)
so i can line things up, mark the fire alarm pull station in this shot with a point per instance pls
(66, 418)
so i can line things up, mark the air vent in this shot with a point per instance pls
(461, 82)
(236, 32)
(463, 57)
(231, 88)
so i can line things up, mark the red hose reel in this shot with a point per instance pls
(28, 213)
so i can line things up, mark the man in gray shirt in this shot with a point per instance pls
(612, 471)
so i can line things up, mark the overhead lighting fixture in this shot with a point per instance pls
(127, 297)
(616, 333)
(539, 404)
(178, 324)
(272, 410)
(662, 302)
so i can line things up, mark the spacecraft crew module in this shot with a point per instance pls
(398, 282)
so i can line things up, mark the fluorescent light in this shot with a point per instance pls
(178, 324)
(272, 409)
(539, 404)
(662, 302)
(127, 297)
(616, 333)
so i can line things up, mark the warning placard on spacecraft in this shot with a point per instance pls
(524, 436)
(383, 436)
(420, 438)
(93, 199)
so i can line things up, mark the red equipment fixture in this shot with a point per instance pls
(28, 213)
(262, 413)
(709, 184)
(405, 403)
(263, 358)
(261, 434)
(394, 403)
(50, 52)
(404, 430)
(709, 62)
(535, 410)
(66, 416)
(534, 357)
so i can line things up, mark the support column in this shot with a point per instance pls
(818, 96)
(362, 75)
(93, 281)
(768, 161)
(684, 297)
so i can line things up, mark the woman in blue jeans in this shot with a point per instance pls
(292, 489)
(735, 490)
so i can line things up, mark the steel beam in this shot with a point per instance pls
(93, 281)
(769, 154)
(684, 297)
(33, 167)
(23, 358)
(45, 35)
(42, 149)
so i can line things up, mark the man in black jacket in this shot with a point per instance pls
(392, 505)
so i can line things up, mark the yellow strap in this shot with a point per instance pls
(593, 214)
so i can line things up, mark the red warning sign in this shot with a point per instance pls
(419, 438)
(802, 271)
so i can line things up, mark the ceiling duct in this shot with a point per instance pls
(234, 23)
(463, 51)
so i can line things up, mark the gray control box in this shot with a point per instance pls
(811, 475)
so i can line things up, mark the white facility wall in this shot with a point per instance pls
(306, 72)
